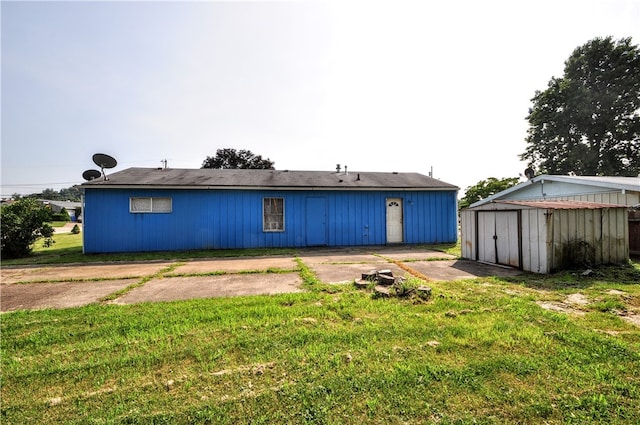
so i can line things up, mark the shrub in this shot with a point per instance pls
(23, 222)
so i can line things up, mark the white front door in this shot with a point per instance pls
(394, 220)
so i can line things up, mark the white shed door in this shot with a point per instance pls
(394, 220)
(498, 237)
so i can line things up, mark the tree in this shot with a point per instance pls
(244, 159)
(69, 194)
(22, 223)
(485, 188)
(588, 121)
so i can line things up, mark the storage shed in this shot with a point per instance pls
(148, 209)
(603, 189)
(544, 236)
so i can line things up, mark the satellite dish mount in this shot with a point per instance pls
(529, 173)
(91, 175)
(103, 161)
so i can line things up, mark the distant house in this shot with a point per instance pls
(72, 208)
(549, 221)
(142, 209)
(610, 190)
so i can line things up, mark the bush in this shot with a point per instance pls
(22, 223)
(75, 229)
(61, 216)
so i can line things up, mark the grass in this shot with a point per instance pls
(58, 223)
(480, 351)
(68, 249)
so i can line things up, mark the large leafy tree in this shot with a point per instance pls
(485, 188)
(588, 121)
(231, 158)
(23, 222)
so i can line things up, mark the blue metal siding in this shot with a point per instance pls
(224, 219)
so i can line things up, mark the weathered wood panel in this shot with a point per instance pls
(534, 247)
(587, 237)
(468, 234)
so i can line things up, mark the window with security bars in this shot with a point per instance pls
(273, 214)
(150, 205)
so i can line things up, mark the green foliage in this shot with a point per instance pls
(486, 188)
(587, 122)
(75, 229)
(63, 215)
(481, 351)
(23, 222)
(69, 194)
(243, 159)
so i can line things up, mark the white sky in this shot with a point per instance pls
(375, 85)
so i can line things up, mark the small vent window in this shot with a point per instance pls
(150, 205)
(273, 215)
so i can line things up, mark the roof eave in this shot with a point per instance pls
(286, 188)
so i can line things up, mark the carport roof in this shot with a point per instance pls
(263, 179)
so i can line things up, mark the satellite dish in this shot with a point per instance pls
(529, 173)
(91, 175)
(103, 160)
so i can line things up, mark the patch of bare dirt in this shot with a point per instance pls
(634, 319)
(579, 300)
(559, 307)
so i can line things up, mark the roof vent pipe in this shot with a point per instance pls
(337, 168)
(358, 178)
(345, 169)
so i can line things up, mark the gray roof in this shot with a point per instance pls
(62, 204)
(265, 179)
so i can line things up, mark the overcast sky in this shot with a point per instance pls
(375, 85)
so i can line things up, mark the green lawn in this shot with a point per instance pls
(67, 248)
(480, 351)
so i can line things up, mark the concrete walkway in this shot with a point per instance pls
(77, 285)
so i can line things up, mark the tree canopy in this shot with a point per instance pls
(23, 222)
(485, 188)
(588, 121)
(242, 159)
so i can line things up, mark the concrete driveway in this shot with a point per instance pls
(77, 285)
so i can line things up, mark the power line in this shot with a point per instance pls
(37, 184)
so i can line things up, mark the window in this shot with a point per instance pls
(150, 205)
(273, 214)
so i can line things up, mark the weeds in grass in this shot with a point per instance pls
(321, 357)
(308, 276)
(117, 294)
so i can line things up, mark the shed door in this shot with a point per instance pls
(394, 220)
(498, 240)
(316, 221)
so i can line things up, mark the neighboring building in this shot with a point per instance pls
(69, 206)
(591, 205)
(142, 209)
(545, 236)
(609, 190)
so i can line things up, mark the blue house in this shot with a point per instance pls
(148, 209)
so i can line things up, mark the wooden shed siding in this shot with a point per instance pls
(468, 234)
(222, 219)
(533, 248)
(588, 235)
